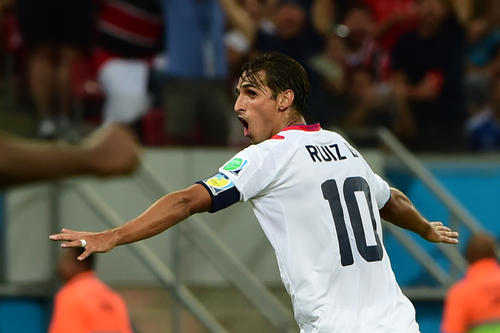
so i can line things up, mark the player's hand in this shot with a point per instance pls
(96, 242)
(112, 150)
(439, 233)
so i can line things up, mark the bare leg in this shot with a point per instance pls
(67, 56)
(41, 79)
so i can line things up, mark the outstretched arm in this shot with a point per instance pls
(323, 12)
(400, 211)
(108, 151)
(239, 18)
(163, 214)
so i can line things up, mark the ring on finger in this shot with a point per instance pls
(83, 242)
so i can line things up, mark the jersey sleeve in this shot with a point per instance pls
(253, 169)
(379, 188)
(243, 177)
(382, 190)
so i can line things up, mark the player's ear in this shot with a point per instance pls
(285, 99)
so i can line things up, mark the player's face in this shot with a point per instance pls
(257, 110)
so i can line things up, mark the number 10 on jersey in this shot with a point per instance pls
(331, 193)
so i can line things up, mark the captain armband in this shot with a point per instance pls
(222, 191)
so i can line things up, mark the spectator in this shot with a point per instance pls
(128, 36)
(331, 63)
(467, 9)
(294, 33)
(85, 304)
(329, 102)
(483, 59)
(392, 19)
(368, 66)
(297, 34)
(373, 105)
(196, 95)
(472, 305)
(429, 68)
(483, 36)
(483, 127)
(362, 48)
(239, 40)
(56, 32)
(108, 151)
(360, 98)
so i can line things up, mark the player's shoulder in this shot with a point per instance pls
(271, 152)
(287, 140)
(298, 133)
(333, 134)
(335, 137)
(277, 142)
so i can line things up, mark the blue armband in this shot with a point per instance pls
(222, 191)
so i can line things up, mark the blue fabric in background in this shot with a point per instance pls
(24, 315)
(429, 315)
(195, 39)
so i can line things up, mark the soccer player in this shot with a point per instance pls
(316, 199)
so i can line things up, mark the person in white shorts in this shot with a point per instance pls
(317, 200)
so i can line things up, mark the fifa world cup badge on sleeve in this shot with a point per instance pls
(218, 183)
(235, 165)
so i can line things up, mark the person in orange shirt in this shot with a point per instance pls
(85, 304)
(473, 304)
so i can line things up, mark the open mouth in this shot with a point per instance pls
(245, 125)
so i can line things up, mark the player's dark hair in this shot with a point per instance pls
(281, 73)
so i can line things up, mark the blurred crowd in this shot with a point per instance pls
(429, 70)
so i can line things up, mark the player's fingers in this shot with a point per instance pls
(69, 235)
(73, 232)
(85, 254)
(450, 237)
(450, 240)
(63, 237)
(75, 243)
(436, 223)
(449, 233)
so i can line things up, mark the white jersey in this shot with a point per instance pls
(318, 203)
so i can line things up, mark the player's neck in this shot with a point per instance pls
(295, 120)
(290, 118)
